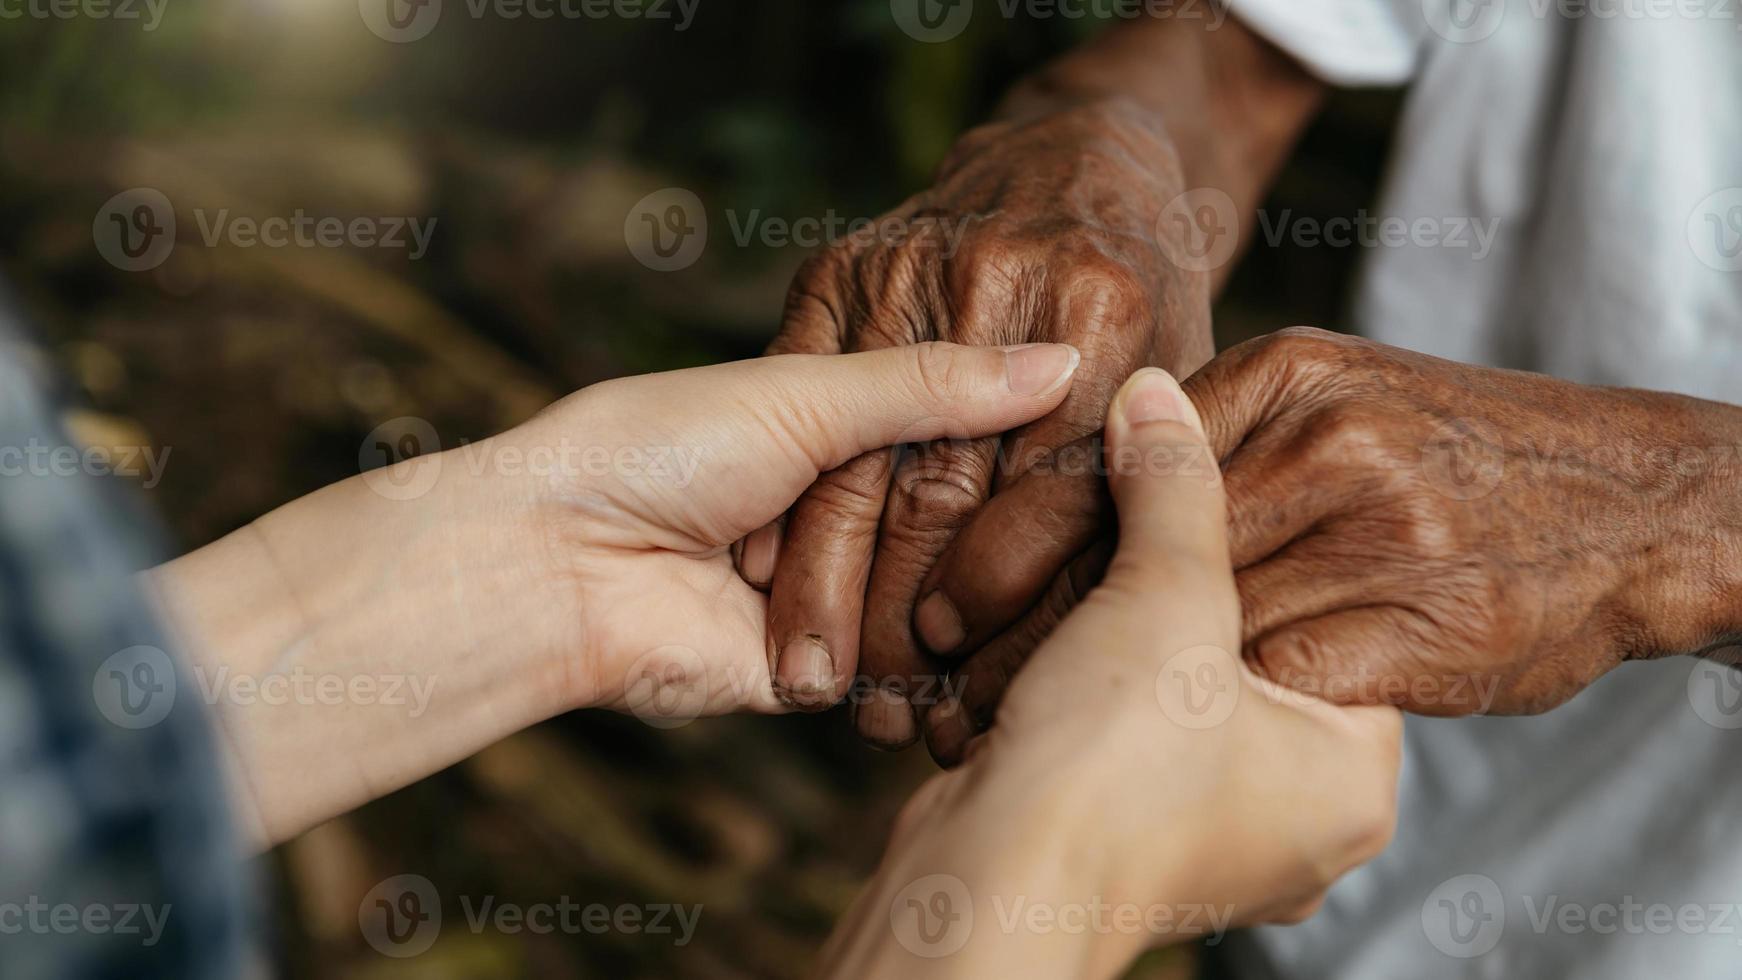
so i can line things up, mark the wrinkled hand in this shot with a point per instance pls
(1137, 761)
(632, 540)
(1456, 539)
(1043, 230)
(1446, 538)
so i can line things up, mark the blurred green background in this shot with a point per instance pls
(529, 142)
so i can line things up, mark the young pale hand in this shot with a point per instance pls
(686, 463)
(1137, 766)
(578, 560)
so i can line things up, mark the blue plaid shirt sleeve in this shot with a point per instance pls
(117, 858)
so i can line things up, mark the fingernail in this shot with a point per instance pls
(1152, 395)
(1039, 369)
(938, 623)
(885, 719)
(948, 729)
(805, 675)
(760, 549)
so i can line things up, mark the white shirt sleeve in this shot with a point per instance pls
(1350, 43)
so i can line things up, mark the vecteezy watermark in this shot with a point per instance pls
(1464, 459)
(42, 459)
(299, 230)
(401, 459)
(1199, 687)
(934, 917)
(1468, 459)
(37, 917)
(1102, 918)
(1469, 21)
(401, 917)
(1466, 916)
(135, 231)
(667, 231)
(1455, 232)
(148, 11)
(137, 687)
(814, 232)
(1468, 693)
(1199, 230)
(403, 21)
(936, 21)
(1715, 691)
(1715, 230)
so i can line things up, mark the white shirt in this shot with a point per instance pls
(1604, 839)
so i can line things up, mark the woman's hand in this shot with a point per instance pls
(387, 626)
(646, 557)
(1140, 785)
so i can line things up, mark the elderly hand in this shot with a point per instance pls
(1457, 539)
(1038, 230)
(1446, 538)
(1138, 767)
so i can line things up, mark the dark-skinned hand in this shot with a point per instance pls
(1446, 538)
(1037, 230)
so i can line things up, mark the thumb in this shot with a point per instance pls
(836, 407)
(1166, 486)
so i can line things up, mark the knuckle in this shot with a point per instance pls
(990, 270)
(1344, 437)
(938, 377)
(853, 488)
(1305, 353)
(937, 494)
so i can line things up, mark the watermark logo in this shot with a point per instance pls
(38, 917)
(1465, 916)
(1198, 687)
(403, 21)
(933, 916)
(1367, 230)
(1715, 230)
(932, 21)
(119, 10)
(667, 230)
(1463, 459)
(1715, 691)
(1199, 230)
(1464, 21)
(136, 687)
(386, 458)
(402, 916)
(135, 230)
(400, 21)
(667, 687)
(44, 459)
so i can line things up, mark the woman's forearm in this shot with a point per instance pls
(348, 643)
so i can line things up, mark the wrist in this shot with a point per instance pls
(357, 640)
(1688, 592)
